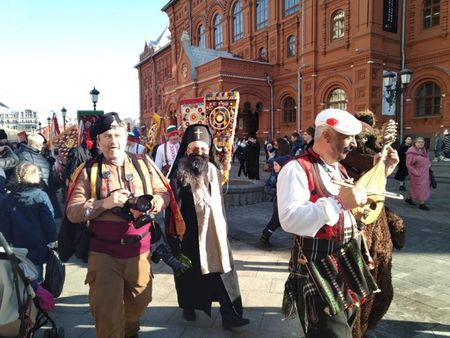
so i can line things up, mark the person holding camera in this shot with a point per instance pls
(119, 271)
(196, 182)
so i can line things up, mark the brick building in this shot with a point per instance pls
(289, 59)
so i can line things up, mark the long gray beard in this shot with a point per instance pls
(192, 170)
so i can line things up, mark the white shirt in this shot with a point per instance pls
(297, 214)
(160, 158)
(135, 148)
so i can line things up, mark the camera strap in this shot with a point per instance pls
(94, 171)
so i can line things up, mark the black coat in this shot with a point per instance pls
(195, 290)
(402, 170)
(253, 150)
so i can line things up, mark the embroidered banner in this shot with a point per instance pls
(63, 142)
(193, 111)
(222, 111)
(152, 133)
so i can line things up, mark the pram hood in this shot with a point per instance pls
(8, 301)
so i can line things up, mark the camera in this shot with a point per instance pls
(142, 203)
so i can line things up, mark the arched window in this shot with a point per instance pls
(292, 46)
(201, 36)
(428, 100)
(262, 54)
(290, 7)
(218, 41)
(262, 14)
(431, 13)
(289, 110)
(338, 99)
(238, 30)
(337, 25)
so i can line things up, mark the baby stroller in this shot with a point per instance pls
(21, 309)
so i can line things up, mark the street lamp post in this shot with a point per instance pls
(64, 112)
(393, 92)
(94, 96)
(49, 121)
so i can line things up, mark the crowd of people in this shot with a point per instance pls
(116, 190)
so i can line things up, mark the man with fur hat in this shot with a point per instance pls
(318, 213)
(119, 272)
(196, 182)
(167, 152)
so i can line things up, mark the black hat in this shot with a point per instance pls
(3, 135)
(198, 132)
(104, 123)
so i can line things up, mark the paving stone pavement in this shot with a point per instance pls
(421, 276)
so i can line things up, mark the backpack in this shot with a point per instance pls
(55, 274)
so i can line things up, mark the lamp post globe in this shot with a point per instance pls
(94, 96)
(64, 112)
(405, 77)
(388, 79)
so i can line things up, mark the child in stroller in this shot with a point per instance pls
(23, 303)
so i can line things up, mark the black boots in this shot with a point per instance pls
(232, 322)
(189, 315)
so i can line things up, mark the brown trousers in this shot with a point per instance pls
(119, 292)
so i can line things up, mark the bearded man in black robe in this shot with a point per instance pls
(196, 182)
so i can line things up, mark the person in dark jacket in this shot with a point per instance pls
(308, 138)
(402, 170)
(297, 144)
(283, 156)
(2, 187)
(27, 216)
(252, 158)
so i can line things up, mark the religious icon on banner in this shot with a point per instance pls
(222, 110)
(152, 133)
(86, 119)
(193, 111)
(63, 142)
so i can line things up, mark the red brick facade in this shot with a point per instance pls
(333, 54)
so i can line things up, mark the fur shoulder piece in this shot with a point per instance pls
(397, 229)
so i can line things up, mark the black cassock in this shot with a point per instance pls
(194, 290)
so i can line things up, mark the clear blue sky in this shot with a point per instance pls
(53, 52)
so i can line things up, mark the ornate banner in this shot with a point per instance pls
(152, 133)
(222, 111)
(193, 111)
(65, 141)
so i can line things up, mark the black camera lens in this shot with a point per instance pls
(144, 202)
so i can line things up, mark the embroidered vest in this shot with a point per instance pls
(309, 161)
